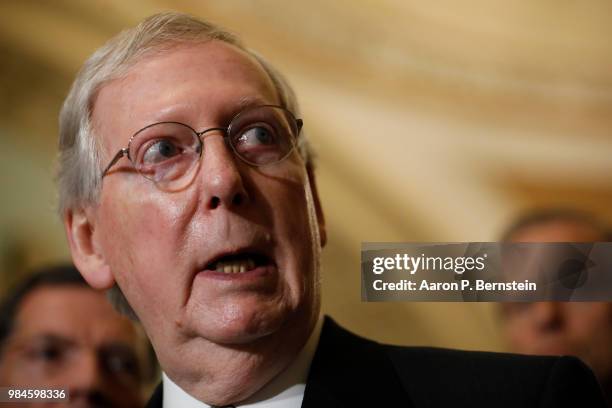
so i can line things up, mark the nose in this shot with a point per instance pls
(85, 370)
(223, 184)
(547, 316)
(84, 379)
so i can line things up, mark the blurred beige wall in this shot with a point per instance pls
(434, 121)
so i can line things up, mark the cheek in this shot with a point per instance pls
(588, 319)
(287, 196)
(143, 239)
(137, 222)
(296, 231)
(519, 334)
(18, 369)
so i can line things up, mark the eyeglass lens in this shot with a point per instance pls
(168, 153)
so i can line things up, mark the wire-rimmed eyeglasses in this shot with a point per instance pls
(168, 153)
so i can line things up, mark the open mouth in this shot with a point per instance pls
(239, 263)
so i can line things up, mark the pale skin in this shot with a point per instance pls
(220, 340)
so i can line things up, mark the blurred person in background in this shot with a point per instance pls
(582, 329)
(58, 333)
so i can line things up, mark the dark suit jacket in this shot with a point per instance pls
(350, 371)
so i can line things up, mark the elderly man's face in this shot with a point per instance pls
(167, 250)
(70, 337)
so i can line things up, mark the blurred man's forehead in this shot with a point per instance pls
(72, 312)
(557, 231)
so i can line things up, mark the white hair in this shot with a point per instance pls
(79, 165)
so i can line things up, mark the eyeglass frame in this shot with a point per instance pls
(299, 123)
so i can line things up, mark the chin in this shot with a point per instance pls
(243, 322)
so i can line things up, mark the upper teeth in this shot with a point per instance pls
(239, 266)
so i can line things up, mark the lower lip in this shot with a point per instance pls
(252, 274)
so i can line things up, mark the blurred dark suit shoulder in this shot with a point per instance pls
(350, 371)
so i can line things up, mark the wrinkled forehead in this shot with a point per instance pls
(186, 68)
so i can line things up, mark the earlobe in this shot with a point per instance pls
(317, 203)
(86, 255)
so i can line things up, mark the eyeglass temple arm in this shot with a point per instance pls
(119, 155)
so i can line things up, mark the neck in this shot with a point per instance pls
(221, 374)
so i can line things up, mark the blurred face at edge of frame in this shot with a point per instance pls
(582, 329)
(70, 337)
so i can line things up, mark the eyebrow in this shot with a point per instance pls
(53, 337)
(229, 111)
(245, 102)
(250, 101)
(46, 338)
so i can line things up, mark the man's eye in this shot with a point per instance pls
(256, 136)
(161, 150)
(120, 361)
(122, 364)
(47, 354)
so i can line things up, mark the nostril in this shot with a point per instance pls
(214, 202)
(237, 200)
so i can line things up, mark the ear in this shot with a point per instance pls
(86, 255)
(317, 203)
